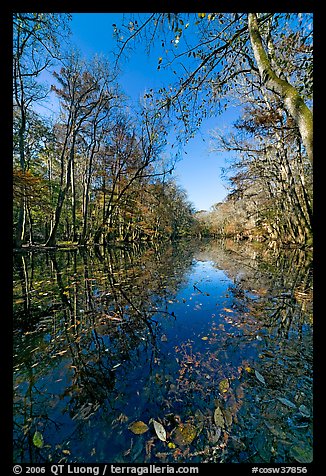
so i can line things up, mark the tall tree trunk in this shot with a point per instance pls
(62, 194)
(293, 102)
(20, 100)
(73, 199)
(88, 173)
(21, 224)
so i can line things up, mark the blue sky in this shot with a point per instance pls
(199, 171)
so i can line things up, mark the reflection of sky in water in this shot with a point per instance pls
(197, 301)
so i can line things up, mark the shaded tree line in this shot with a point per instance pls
(99, 171)
(96, 173)
(263, 64)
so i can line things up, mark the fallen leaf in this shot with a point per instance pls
(199, 420)
(159, 430)
(301, 454)
(184, 434)
(260, 377)
(38, 439)
(171, 445)
(227, 309)
(138, 427)
(213, 434)
(304, 411)
(204, 338)
(260, 442)
(276, 431)
(286, 402)
(218, 417)
(224, 385)
(227, 417)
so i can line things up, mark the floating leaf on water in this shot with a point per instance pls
(204, 338)
(61, 352)
(286, 402)
(38, 439)
(184, 434)
(260, 377)
(227, 417)
(199, 420)
(218, 417)
(304, 411)
(301, 454)
(213, 434)
(138, 427)
(66, 452)
(227, 309)
(237, 443)
(159, 430)
(267, 353)
(224, 385)
(260, 441)
(276, 431)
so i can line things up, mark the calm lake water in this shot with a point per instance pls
(191, 352)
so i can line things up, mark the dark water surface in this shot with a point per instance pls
(192, 352)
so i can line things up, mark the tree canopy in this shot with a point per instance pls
(100, 159)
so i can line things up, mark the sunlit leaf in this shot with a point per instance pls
(159, 430)
(218, 417)
(171, 445)
(204, 338)
(38, 439)
(224, 385)
(260, 377)
(184, 434)
(138, 427)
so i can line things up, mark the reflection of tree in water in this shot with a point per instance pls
(275, 284)
(100, 310)
(94, 328)
(272, 303)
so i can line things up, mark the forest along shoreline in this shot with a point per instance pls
(100, 169)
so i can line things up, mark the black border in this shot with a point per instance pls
(6, 208)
